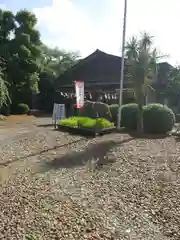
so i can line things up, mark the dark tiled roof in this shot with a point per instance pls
(100, 67)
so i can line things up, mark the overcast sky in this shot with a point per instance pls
(86, 25)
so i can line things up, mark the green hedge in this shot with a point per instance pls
(158, 118)
(94, 110)
(114, 108)
(129, 113)
(102, 110)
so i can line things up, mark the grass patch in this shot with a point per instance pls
(85, 122)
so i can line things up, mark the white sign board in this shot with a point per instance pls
(58, 112)
(79, 87)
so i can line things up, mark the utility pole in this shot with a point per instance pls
(122, 65)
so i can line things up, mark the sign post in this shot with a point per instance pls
(79, 88)
(58, 113)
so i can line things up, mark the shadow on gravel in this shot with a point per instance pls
(45, 125)
(135, 134)
(148, 136)
(96, 153)
(38, 153)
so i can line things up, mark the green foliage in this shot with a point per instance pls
(85, 122)
(22, 108)
(88, 110)
(26, 19)
(57, 60)
(129, 114)
(34, 80)
(5, 110)
(69, 122)
(29, 64)
(172, 92)
(74, 110)
(20, 52)
(103, 110)
(96, 109)
(24, 52)
(4, 93)
(178, 118)
(114, 108)
(46, 88)
(158, 118)
(103, 123)
(142, 69)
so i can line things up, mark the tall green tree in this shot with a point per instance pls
(29, 63)
(58, 60)
(54, 62)
(142, 69)
(21, 50)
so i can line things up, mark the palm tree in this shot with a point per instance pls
(142, 69)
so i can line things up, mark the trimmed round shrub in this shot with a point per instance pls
(102, 110)
(129, 115)
(22, 108)
(177, 118)
(158, 119)
(114, 112)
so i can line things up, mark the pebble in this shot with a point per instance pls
(41, 200)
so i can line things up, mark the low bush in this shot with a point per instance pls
(85, 122)
(103, 123)
(22, 108)
(69, 122)
(94, 110)
(5, 110)
(102, 110)
(129, 114)
(178, 118)
(88, 110)
(158, 118)
(114, 108)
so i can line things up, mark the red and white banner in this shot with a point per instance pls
(79, 87)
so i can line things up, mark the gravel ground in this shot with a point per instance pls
(57, 186)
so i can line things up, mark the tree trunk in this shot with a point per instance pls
(140, 119)
(140, 113)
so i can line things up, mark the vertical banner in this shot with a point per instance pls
(79, 87)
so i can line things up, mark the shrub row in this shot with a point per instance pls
(17, 109)
(93, 110)
(157, 118)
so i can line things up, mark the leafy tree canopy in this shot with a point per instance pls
(26, 60)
